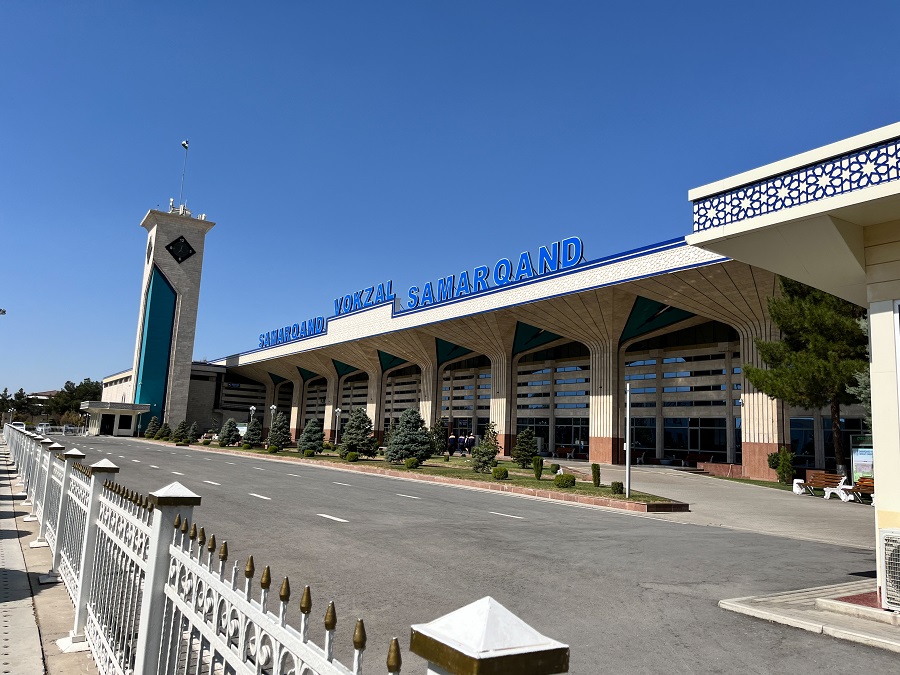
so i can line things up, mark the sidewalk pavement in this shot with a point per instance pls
(32, 616)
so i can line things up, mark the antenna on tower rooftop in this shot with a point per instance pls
(184, 144)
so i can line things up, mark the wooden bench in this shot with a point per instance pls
(822, 481)
(864, 486)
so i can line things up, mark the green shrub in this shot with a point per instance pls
(595, 474)
(617, 487)
(309, 452)
(525, 448)
(537, 463)
(785, 468)
(412, 462)
(193, 433)
(164, 432)
(564, 480)
(254, 432)
(180, 432)
(246, 446)
(152, 428)
(272, 449)
(279, 433)
(229, 434)
(484, 455)
(500, 473)
(328, 446)
(772, 459)
(206, 441)
(222, 444)
(554, 468)
(352, 457)
(446, 458)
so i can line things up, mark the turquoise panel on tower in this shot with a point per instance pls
(156, 346)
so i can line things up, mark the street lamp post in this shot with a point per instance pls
(274, 409)
(252, 413)
(11, 411)
(337, 430)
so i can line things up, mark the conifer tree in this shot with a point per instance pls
(279, 434)
(164, 432)
(822, 347)
(525, 449)
(180, 432)
(152, 428)
(410, 439)
(312, 437)
(484, 455)
(193, 433)
(357, 436)
(438, 434)
(229, 434)
(254, 432)
(862, 390)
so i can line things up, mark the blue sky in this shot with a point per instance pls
(337, 144)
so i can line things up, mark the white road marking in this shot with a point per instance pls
(177, 474)
(325, 515)
(153, 466)
(174, 453)
(136, 461)
(121, 456)
(506, 515)
(407, 496)
(344, 484)
(253, 494)
(229, 462)
(294, 475)
(211, 482)
(207, 459)
(258, 468)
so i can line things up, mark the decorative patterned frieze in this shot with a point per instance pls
(839, 175)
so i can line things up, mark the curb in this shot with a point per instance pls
(621, 504)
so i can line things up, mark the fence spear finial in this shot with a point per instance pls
(284, 593)
(359, 635)
(249, 570)
(266, 579)
(306, 601)
(223, 551)
(393, 660)
(201, 537)
(330, 616)
(193, 533)
(184, 526)
(177, 522)
(211, 546)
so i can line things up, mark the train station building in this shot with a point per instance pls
(545, 339)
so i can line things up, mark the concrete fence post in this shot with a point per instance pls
(174, 499)
(70, 457)
(29, 469)
(485, 637)
(39, 483)
(100, 473)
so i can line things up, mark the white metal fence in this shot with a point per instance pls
(153, 596)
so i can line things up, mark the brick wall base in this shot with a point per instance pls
(607, 450)
(755, 463)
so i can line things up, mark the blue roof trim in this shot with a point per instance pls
(600, 262)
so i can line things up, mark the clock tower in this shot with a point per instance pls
(170, 292)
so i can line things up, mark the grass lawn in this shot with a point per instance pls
(460, 468)
(763, 483)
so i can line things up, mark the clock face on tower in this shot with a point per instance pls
(180, 249)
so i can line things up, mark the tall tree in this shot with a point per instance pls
(312, 437)
(357, 436)
(279, 433)
(822, 347)
(410, 439)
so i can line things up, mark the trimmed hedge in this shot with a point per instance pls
(412, 463)
(500, 473)
(564, 480)
(352, 457)
(617, 487)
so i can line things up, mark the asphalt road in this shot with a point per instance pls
(628, 593)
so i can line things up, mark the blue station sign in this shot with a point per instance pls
(559, 255)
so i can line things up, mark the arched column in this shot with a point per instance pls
(503, 398)
(298, 400)
(375, 402)
(332, 395)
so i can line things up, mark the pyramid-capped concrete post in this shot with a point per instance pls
(170, 293)
(485, 638)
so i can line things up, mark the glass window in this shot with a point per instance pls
(643, 433)
(571, 431)
(803, 441)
